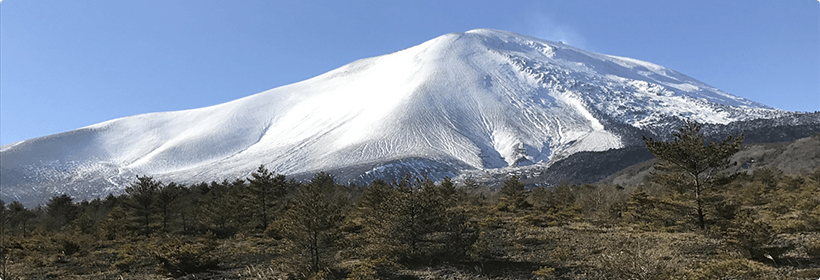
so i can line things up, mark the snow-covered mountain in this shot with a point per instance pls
(478, 100)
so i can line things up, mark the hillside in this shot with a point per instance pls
(794, 157)
(761, 225)
(478, 101)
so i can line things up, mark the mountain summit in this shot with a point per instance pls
(478, 100)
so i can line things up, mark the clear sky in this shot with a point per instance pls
(69, 64)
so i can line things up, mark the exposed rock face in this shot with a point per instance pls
(479, 100)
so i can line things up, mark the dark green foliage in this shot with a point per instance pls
(142, 202)
(425, 220)
(640, 206)
(762, 226)
(317, 211)
(417, 213)
(61, 212)
(85, 221)
(114, 225)
(692, 164)
(19, 218)
(558, 205)
(220, 208)
(166, 198)
(264, 190)
(375, 221)
(416, 220)
(189, 213)
(513, 194)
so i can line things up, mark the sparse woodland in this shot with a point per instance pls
(690, 220)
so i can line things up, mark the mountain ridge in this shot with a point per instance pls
(478, 100)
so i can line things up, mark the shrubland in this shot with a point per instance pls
(763, 224)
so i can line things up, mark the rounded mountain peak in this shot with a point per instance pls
(477, 100)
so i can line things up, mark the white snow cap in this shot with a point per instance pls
(481, 99)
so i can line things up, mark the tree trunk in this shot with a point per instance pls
(165, 218)
(314, 250)
(700, 216)
(698, 189)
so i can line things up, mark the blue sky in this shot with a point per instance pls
(69, 64)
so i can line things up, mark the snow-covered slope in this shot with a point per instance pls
(482, 99)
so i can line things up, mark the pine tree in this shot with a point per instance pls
(317, 211)
(420, 211)
(513, 194)
(454, 236)
(410, 222)
(640, 207)
(115, 223)
(192, 204)
(220, 207)
(689, 155)
(166, 198)
(19, 217)
(263, 190)
(448, 194)
(61, 211)
(142, 201)
(377, 210)
(87, 216)
(411, 216)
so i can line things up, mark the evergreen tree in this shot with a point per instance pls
(420, 209)
(317, 211)
(558, 203)
(411, 217)
(166, 198)
(263, 190)
(142, 201)
(448, 194)
(640, 207)
(563, 196)
(689, 155)
(115, 223)
(220, 207)
(377, 210)
(89, 215)
(541, 199)
(513, 194)
(19, 217)
(190, 206)
(61, 212)
(454, 236)
(411, 222)
(241, 212)
(751, 235)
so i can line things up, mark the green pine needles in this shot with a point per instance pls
(692, 165)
